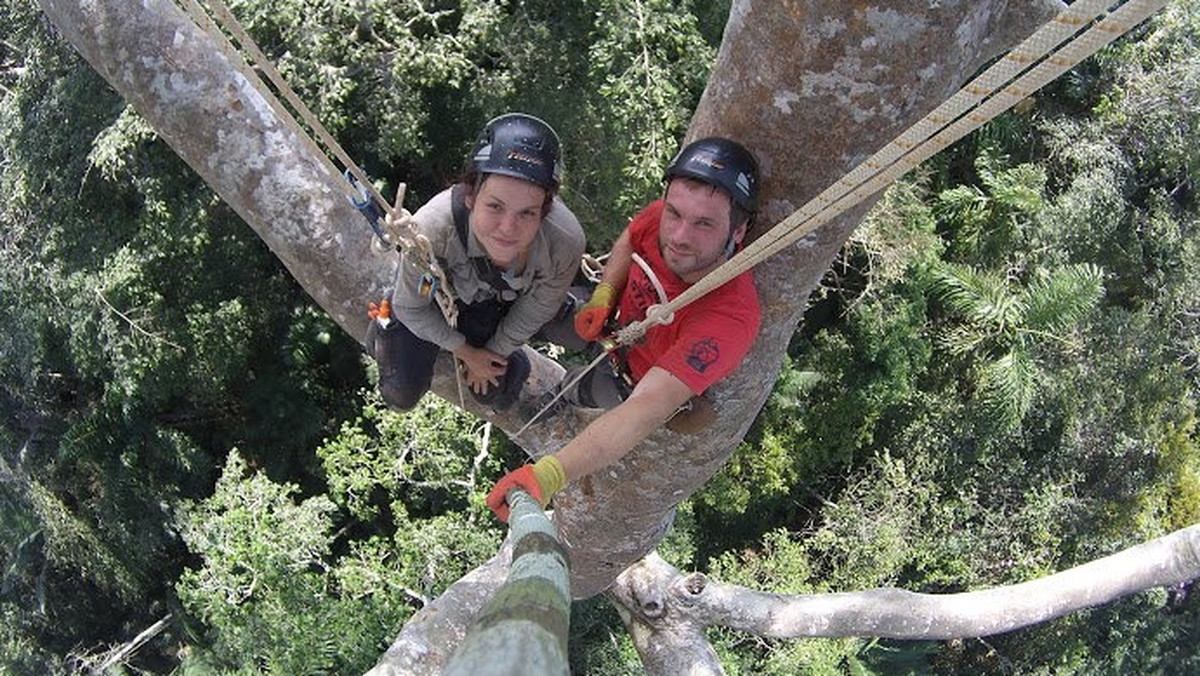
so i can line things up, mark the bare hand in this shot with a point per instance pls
(482, 368)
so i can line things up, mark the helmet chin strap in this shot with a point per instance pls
(729, 245)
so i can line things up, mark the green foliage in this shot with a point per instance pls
(983, 222)
(264, 578)
(1006, 327)
(651, 63)
(431, 457)
(269, 576)
(1091, 373)
(147, 332)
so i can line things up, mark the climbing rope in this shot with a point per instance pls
(1039, 59)
(398, 222)
(1056, 47)
(1049, 52)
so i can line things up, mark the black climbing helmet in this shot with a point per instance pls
(723, 163)
(521, 146)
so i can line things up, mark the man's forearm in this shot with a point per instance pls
(616, 268)
(658, 395)
(606, 440)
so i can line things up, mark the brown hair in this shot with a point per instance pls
(472, 181)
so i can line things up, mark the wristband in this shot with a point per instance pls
(603, 295)
(550, 476)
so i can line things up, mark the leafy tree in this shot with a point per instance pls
(157, 333)
(1005, 326)
(268, 577)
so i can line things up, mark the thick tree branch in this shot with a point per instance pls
(665, 607)
(178, 78)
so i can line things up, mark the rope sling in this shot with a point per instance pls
(1057, 46)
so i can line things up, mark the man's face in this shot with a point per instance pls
(695, 228)
(505, 215)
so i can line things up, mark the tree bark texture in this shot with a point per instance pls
(811, 87)
(177, 77)
(668, 612)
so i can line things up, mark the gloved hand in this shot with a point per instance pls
(589, 321)
(542, 480)
(381, 311)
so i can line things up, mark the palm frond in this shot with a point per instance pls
(982, 298)
(961, 340)
(1018, 189)
(1060, 299)
(963, 206)
(1007, 385)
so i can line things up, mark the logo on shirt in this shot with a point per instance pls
(704, 353)
(642, 293)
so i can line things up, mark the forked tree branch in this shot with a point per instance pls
(668, 612)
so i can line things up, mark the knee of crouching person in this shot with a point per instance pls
(399, 398)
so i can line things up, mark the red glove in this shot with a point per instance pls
(541, 480)
(589, 321)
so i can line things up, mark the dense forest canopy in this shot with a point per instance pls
(997, 380)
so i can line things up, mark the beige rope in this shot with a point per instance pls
(205, 22)
(398, 221)
(954, 119)
(221, 12)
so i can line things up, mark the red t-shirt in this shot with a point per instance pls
(708, 338)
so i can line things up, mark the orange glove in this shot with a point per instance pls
(589, 321)
(542, 480)
(382, 310)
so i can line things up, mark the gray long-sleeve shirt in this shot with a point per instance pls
(550, 268)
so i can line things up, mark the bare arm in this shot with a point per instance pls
(616, 268)
(612, 435)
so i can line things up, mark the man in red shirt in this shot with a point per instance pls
(696, 226)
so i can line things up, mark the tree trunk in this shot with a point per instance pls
(854, 75)
(853, 78)
(178, 78)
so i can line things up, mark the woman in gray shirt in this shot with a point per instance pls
(510, 249)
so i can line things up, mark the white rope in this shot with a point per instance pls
(398, 221)
(979, 101)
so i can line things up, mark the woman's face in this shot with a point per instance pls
(505, 215)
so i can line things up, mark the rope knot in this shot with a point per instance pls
(399, 224)
(658, 315)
